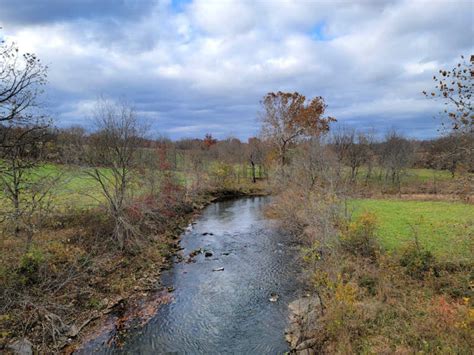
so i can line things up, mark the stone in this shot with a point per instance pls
(73, 331)
(21, 347)
(273, 297)
(293, 336)
(303, 306)
(307, 344)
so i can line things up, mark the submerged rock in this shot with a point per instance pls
(195, 252)
(273, 297)
(208, 254)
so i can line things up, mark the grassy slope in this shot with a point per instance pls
(445, 228)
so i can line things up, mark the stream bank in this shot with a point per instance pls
(229, 288)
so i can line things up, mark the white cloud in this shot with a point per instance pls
(206, 66)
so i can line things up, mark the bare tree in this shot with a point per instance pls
(397, 154)
(113, 151)
(24, 184)
(255, 154)
(21, 79)
(23, 135)
(69, 143)
(287, 117)
(352, 149)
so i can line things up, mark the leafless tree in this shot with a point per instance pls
(69, 143)
(25, 186)
(255, 155)
(23, 135)
(351, 148)
(397, 155)
(21, 79)
(113, 152)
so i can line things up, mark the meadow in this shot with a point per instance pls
(444, 228)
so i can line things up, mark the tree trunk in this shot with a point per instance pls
(254, 179)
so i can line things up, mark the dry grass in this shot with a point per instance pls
(74, 272)
(403, 303)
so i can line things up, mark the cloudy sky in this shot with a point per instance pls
(192, 67)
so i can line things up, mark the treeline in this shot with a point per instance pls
(358, 150)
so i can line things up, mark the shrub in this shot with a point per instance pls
(30, 264)
(369, 283)
(417, 261)
(359, 238)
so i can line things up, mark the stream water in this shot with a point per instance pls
(227, 311)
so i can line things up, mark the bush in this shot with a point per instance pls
(369, 283)
(30, 264)
(417, 262)
(359, 238)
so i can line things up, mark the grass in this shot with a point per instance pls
(444, 228)
(409, 176)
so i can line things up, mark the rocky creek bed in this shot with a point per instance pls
(229, 288)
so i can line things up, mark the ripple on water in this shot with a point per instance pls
(227, 311)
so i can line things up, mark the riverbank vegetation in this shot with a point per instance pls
(89, 218)
(388, 266)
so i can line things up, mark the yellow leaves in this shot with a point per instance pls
(345, 293)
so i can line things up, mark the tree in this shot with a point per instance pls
(21, 79)
(255, 155)
(24, 184)
(454, 87)
(23, 136)
(352, 149)
(288, 117)
(209, 141)
(396, 156)
(113, 151)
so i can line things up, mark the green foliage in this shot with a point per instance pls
(30, 263)
(222, 174)
(94, 303)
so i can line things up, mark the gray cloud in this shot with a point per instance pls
(202, 66)
(30, 12)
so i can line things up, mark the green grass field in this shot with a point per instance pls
(73, 188)
(444, 228)
(409, 176)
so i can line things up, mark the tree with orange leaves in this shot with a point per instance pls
(209, 141)
(289, 117)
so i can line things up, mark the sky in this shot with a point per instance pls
(191, 67)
